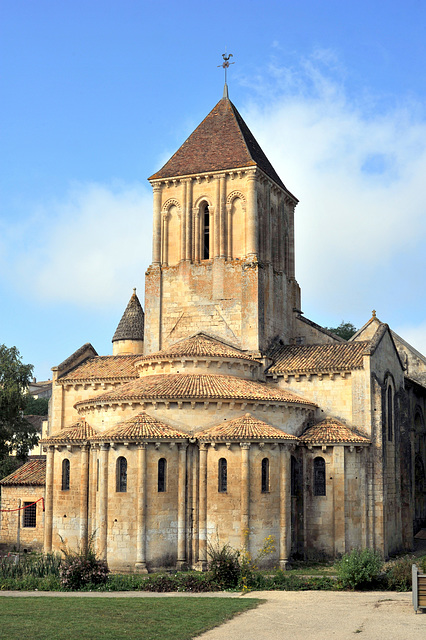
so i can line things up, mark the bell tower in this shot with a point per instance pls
(223, 241)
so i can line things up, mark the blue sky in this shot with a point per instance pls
(96, 95)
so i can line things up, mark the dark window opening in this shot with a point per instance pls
(319, 477)
(265, 475)
(30, 514)
(65, 474)
(162, 468)
(206, 233)
(222, 476)
(390, 413)
(97, 475)
(295, 478)
(121, 475)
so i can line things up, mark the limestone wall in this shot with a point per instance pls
(13, 532)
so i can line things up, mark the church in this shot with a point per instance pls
(223, 413)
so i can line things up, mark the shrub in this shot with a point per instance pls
(359, 568)
(399, 573)
(224, 566)
(81, 569)
(421, 563)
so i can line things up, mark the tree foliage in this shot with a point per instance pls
(17, 435)
(36, 406)
(345, 330)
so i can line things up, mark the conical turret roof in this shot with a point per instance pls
(131, 325)
(222, 141)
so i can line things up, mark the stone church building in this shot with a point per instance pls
(223, 413)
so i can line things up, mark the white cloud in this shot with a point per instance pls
(360, 176)
(85, 249)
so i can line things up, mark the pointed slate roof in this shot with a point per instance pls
(246, 427)
(222, 141)
(199, 346)
(32, 472)
(332, 431)
(131, 325)
(141, 426)
(77, 433)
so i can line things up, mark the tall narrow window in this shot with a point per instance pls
(265, 475)
(30, 514)
(206, 233)
(390, 413)
(121, 475)
(294, 476)
(319, 477)
(65, 474)
(222, 476)
(97, 474)
(162, 470)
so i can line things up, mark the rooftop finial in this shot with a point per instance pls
(225, 64)
(374, 313)
(134, 291)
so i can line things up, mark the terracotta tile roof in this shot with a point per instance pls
(317, 357)
(200, 345)
(141, 426)
(78, 432)
(331, 431)
(131, 325)
(246, 427)
(222, 141)
(32, 472)
(193, 387)
(103, 368)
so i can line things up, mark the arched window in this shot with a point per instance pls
(206, 232)
(222, 476)
(162, 471)
(65, 474)
(319, 477)
(121, 475)
(389, 412)
(265, 475)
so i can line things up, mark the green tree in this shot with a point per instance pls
(17, 435)
(36, 406)
(345, 330)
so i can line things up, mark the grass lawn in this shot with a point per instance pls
(45, 618)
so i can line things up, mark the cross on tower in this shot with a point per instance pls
(225, 64)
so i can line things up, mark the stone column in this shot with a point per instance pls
(197, 233)
(84, 496)
(202, 545)
(251, 218)
(48, 507)
(291, 257)
(156, 235)
(363, 494)
(140, 565)
(339, 498)
(229, 231)
(285, 506)
(222, 217)
(181, 559)
(216, 228)
(103, 503)
(183, 216)
(165, 239)
(188, 232)
(245, 495)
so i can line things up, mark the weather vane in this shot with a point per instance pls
(225, 64)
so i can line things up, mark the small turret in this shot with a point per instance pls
(128, 337)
